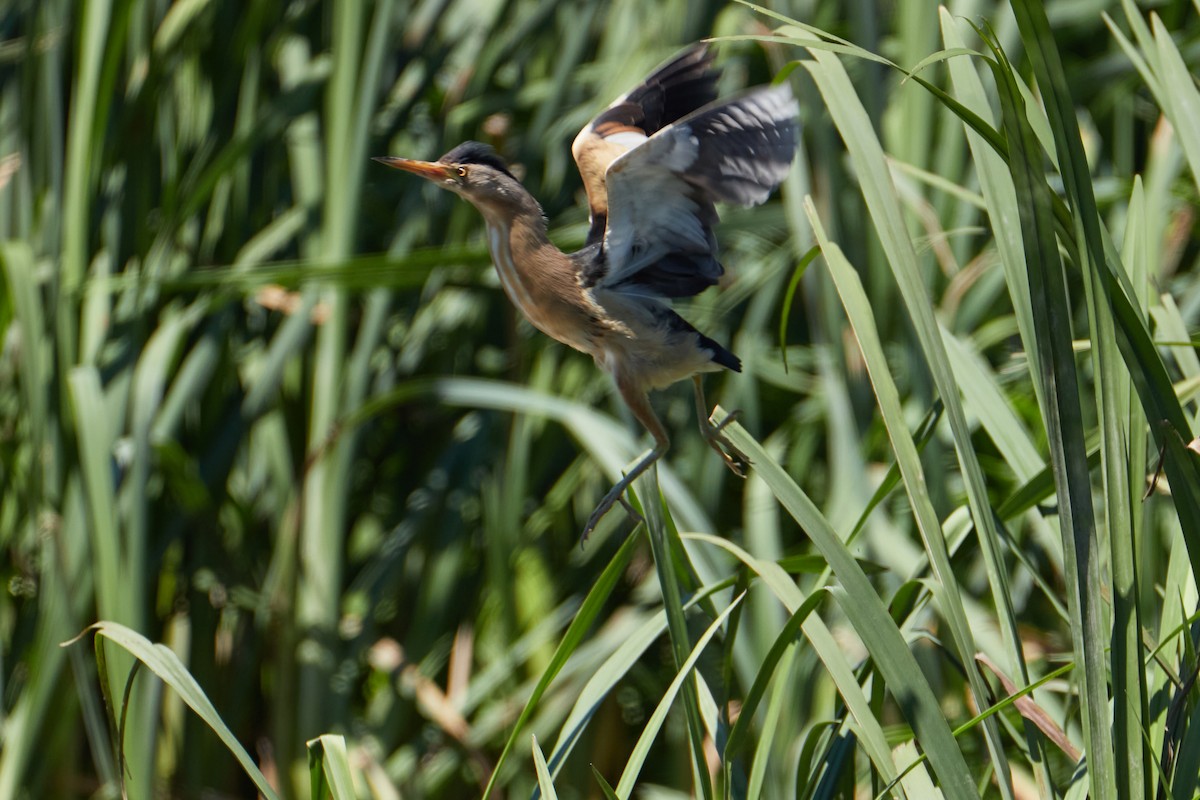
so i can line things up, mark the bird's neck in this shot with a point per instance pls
(517, 242)
(522, 215)
(539, 278)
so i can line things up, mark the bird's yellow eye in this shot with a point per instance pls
(462, 172)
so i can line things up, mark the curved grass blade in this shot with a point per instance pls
(160, 660)
(788, 296)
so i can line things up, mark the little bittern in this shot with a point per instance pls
(653, 165)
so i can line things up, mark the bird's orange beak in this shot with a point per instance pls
(431, 170)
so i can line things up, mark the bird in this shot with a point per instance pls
(654, 164)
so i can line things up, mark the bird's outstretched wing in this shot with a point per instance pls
(677, 88)
(659, 238)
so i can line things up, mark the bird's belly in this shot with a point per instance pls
(653, 368)
(650, 352)
(571, 329)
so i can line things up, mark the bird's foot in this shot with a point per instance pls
(615, 495)
(735, 459)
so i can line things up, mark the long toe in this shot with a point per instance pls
(732, 416)
(737, 463)
(614, 496)
(592, 522)
(735, 459)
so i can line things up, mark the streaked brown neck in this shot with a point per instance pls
(539, 278)
(518, 243)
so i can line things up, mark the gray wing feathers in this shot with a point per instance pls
(746, 145)
(661, 193)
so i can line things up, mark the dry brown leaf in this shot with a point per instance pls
(1032, 711)
(276, 298)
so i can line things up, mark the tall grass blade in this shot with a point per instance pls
(80, 172)
(662, 540)
(1062, 414)
(866, 152)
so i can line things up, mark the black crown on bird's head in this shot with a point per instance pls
(476, 153)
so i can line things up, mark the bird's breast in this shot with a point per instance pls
(540, 281)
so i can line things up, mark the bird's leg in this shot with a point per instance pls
(639, 404)
(734, 458)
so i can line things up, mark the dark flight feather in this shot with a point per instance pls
(679, 87)
(746, 146)
(675, 275)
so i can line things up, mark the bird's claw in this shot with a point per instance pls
(617, 493)
(735, 459)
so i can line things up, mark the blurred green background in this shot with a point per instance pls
(263, 401)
